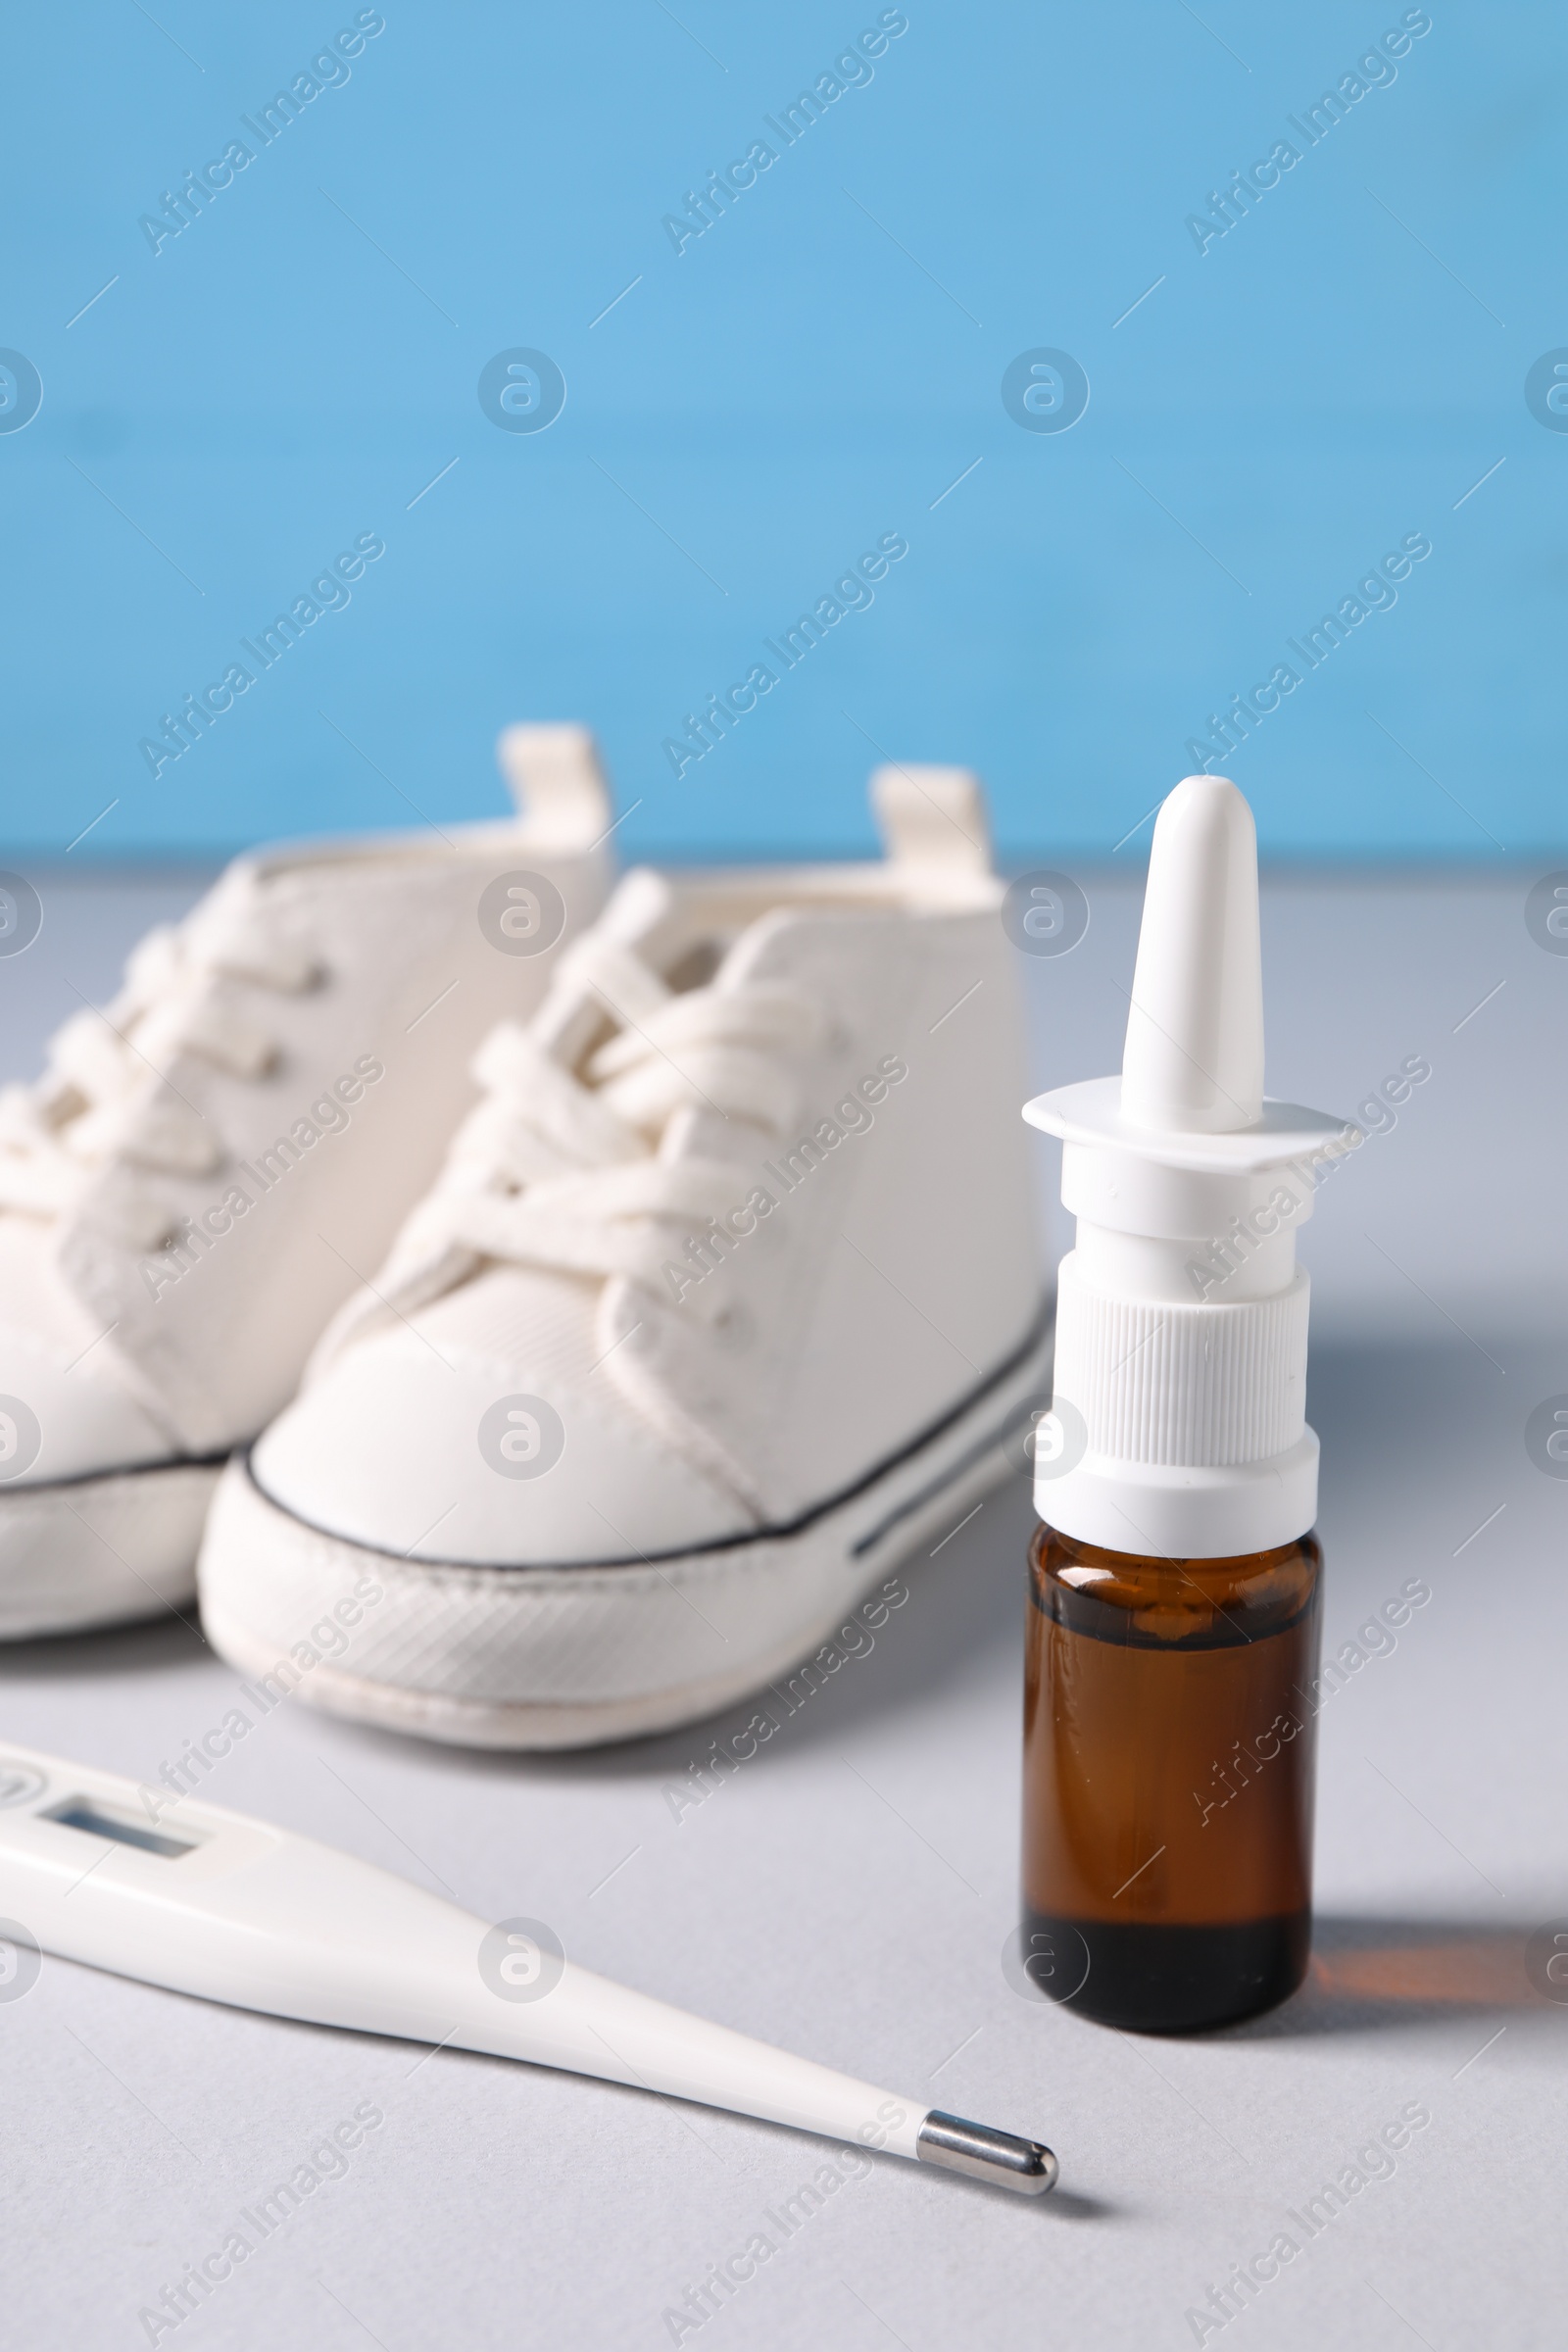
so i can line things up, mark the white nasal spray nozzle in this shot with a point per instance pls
(1178, 1421)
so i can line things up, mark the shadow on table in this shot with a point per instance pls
(173, 1639)
(1369, 1975)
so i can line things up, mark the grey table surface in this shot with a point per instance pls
(850, 1892)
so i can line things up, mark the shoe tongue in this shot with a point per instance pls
(674, 922)
(616, 974)
(637, 954)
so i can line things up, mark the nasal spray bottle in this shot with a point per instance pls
(1173, 1622)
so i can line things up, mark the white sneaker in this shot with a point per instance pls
(725, 1298)
(209, 1167)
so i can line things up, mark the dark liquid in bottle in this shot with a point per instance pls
(1169, 1754)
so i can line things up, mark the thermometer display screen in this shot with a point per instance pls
(78, 1813)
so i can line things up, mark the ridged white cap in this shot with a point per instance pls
(1179, 1427)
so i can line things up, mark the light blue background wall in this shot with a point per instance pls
(1335, 372)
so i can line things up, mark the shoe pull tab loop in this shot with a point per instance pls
(933, 818)
(556, 783)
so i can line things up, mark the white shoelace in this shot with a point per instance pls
(100, 1098)
(561, 1171)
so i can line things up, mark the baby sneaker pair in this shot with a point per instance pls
(725, 1294)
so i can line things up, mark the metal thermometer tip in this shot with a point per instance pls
(999, 2157)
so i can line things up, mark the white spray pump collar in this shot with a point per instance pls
(1178, 1428)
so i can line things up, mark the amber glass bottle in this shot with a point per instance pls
(1169, 1764)
(1169, 1780)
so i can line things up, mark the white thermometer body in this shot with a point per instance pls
(184, 1894)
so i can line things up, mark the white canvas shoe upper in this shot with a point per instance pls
(213, 1162)
(706, 1255)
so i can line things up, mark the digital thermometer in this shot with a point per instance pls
(181, 1894)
